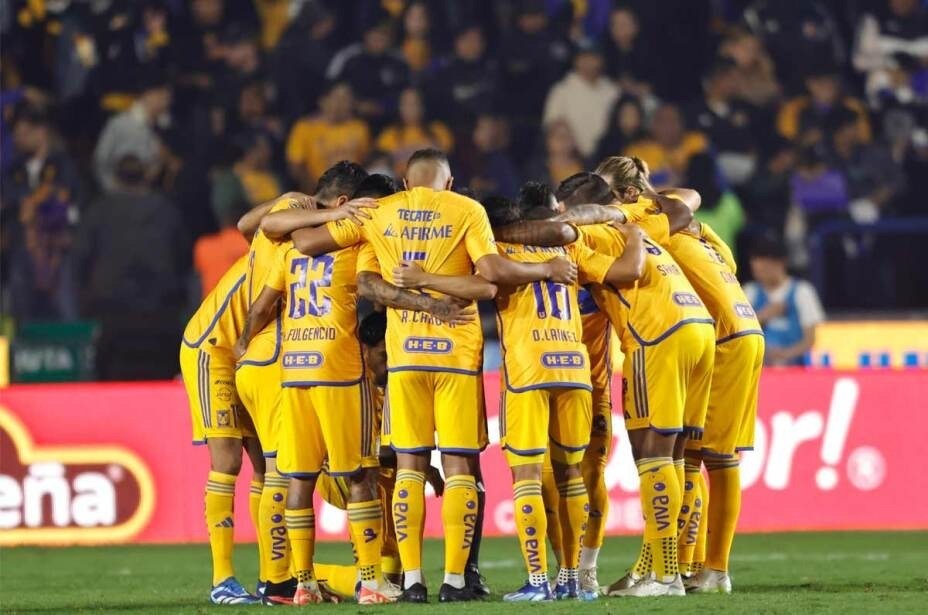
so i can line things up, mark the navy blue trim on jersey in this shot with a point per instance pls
(660, 338)
(277, 345)
(222, 308)
(728, 338)
(430, 368)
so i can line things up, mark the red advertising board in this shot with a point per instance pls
(91, 463)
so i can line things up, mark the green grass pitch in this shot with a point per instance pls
(774, 573)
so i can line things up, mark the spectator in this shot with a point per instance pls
(627, 127)
(275, 17)
(819, 190)
(769, 192)
(533, 57)
(874, 179)
(890, 42)
(803, 119)
(727, 122)
(794, 32)
(133, 133)
(464, 85)
(136, 294)
(416, 46)
(316, 143)
(757, 80)
(669, 146)
(118, 275)
(492, 170)
(214, 254)
(39, 207)
(583, 99)
(250, 181)
(375, 72)
(299, 63)
(788, 309)
(412, 132)
(628, 60)
(560, 158)
(720, 208)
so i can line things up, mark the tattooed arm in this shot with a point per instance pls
(546, 233)
(377, 290)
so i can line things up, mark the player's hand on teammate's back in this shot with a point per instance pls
(298, 200)
(408, 275)
(562, 271)
(454, 311)
(238, 351)
(433, 477)
(354, 209)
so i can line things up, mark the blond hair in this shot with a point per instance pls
(624, 171)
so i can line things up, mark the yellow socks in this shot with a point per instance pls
(531, 526)
(254, 502)
(301, 529)
(660, 502)
(574, 509)
(552, 504)
(644, 562)
(409, 521)
(219, 497)
(340, 579)
(594, 477)
(725, 496)
(679, 466)
(273, 529)
(459, 520)
(690, 513)
(366, 522)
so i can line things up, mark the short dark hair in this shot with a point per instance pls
(31, 114)
(375, 186)
(373, 328)
(534, 194)
(343, 177)
(501, 211)
(768, 245)
(583, 188)
(429, 154)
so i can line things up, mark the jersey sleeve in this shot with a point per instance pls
(636, 212)
(367, 260)
(657, 227)
(345, 232)
(478, 238)
(591, 265)
(277, 274)
(707, 233)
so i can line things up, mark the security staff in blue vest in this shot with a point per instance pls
(788, 308)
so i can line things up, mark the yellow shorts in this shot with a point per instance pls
(666, 385)
(215, 409)
(531, 419)
(423, 404)
(259, 389)
(334, 490)
(324, 426)
(733, 397)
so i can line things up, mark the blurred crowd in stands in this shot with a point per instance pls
(136, 132)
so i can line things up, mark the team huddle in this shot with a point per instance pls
(277, 364)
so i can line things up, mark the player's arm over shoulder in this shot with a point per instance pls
(599, 268)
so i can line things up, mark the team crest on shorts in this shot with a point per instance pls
(223, 418)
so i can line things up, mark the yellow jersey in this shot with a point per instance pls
(708, 264)
(319, 339)
(262, 256)
(540, 328)
(659, 303)
(220, 318)
(444, 233)
(597, 337)
(316, 144)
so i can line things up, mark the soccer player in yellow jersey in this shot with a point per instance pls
(434, 366)
(546, 393)
(326, 411)
(258, 374)
(219, 421)
(708, 264)
(667, 338)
